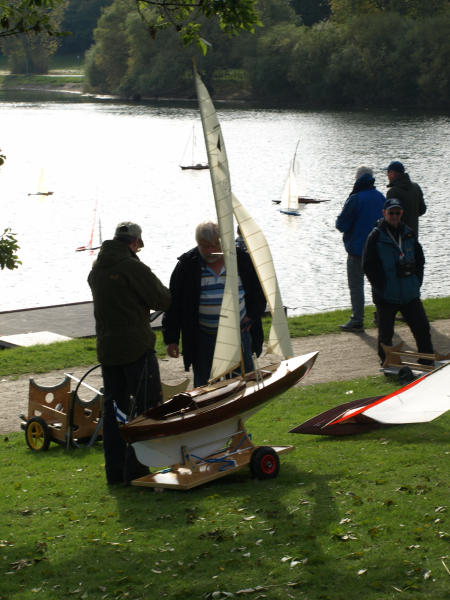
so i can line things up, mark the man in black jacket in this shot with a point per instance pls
(124, 290)
(409, 193)
(196, 286)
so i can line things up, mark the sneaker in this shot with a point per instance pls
(354, 326)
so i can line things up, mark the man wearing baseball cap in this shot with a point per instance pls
(393, 261)
(124, 290)
(409, 193)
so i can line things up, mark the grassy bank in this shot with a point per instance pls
(81, 352)
(349, 518)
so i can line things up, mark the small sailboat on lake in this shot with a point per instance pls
(96, 224)
(207, 418)
(289, 196)
(191, 155)
(42, 187)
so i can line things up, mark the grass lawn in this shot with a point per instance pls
(82, 352)
(363, 517)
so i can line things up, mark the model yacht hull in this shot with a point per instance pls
(206, 417)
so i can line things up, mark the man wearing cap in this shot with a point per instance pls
(124, 290)
(197, 286)
(393, 261)
(361, 211)
(409, 193)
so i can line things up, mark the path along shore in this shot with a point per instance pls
(342, 356)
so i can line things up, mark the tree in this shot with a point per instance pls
(342, 10)
(29, 52)
(233, 17)
(80, 19)
(27, 16)
(311, 11)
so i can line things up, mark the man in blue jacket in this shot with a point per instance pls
(393, 261)
(361, 211)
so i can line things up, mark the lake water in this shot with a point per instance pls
(125, 159)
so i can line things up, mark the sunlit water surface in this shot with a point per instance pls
(125, 159)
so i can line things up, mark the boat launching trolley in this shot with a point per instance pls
(408, 365)
(59, 414)
(238, 452)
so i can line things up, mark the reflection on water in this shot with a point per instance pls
(127, 156)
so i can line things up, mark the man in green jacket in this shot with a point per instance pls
(409, 193)
(124, 291)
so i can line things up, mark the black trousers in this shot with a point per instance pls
(134, 387)
(414, 315)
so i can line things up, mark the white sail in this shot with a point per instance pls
(227, 354)
(279, 339)
(289, 196)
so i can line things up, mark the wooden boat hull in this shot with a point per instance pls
(158, 441)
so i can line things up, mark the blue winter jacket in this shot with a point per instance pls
(380, 263)
(361, 211)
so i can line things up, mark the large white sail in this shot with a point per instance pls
(279, 339)
(227, 354)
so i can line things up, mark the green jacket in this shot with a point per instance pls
(411, 198)
(124, 290)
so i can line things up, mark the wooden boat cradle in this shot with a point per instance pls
(393, 358)
(195, 470)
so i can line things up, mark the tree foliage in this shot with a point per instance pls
(29, 52)
(8, 249)
(186, 16)
(27, 16)
(343, 10)
(379, 58)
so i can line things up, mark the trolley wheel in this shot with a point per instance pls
(37, 434)
(405, 375)
(264, 463)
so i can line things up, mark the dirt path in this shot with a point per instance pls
(342, 356)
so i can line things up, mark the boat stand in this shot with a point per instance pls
(405, 363)
(238, 453)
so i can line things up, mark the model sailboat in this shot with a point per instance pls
(421, 401)
(206, 417)
(190, 159)
(42, 186)
(96, 223)
(289, 196)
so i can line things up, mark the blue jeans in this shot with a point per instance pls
(202, 363)
(355, 276)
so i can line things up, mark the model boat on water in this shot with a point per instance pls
(191, 156)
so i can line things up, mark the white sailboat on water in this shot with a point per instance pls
(42, 186)
(96, 225)
(205, 417)
(290, 194)
(191, 154)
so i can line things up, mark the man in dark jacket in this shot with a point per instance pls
(124, 290)
(409, 193)
(361, 211)
(196, 286)
(393, 261)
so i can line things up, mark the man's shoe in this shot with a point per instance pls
(353, 326)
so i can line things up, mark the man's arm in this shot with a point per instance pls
(345, 220)
(371, 262)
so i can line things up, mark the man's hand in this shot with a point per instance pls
(173, 350)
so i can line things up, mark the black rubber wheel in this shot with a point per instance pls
(405, 375)
(264, 463)
(37, 434)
